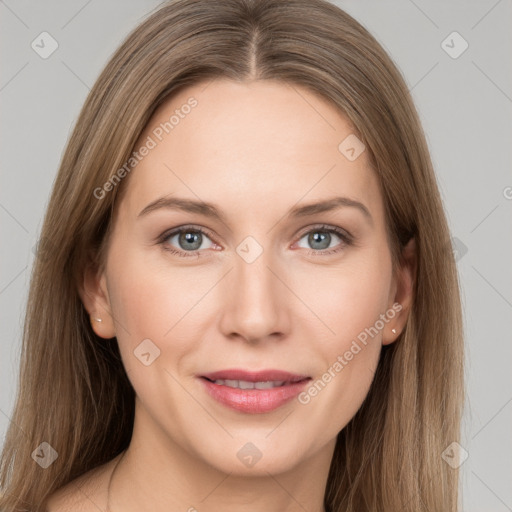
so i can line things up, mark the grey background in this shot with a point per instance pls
(465, 106)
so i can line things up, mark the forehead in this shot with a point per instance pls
(249, 145)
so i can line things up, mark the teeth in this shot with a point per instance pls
(268, 384)
(244, 384)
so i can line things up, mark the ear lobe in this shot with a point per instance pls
(404, 292)
(93, 292)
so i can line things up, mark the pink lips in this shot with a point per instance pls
(254, 400)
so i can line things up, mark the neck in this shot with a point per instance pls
(157, 474)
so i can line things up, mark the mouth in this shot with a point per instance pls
(253, 392)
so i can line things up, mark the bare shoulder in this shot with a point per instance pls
(87, 493)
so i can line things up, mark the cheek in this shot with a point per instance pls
(348, 299)
(151, 302)
(149, 294)
(350, 308)
(154, 315)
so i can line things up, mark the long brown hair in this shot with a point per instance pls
(73, 391)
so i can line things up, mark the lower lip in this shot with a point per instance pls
(254, 401)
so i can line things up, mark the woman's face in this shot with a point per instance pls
(257, 280)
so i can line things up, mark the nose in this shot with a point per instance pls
(255, 302)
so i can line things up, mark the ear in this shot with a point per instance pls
(402, 291)
(94, 294)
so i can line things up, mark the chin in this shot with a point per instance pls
(257, 458)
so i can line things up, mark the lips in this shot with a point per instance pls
(258, 376)
(253, 392)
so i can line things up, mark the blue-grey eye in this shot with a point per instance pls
(189, 240)
(320, 239)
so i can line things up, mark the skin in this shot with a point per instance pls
(255, 150)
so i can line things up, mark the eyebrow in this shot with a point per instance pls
(210, 210)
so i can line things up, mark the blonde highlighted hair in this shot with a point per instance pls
(73, 391)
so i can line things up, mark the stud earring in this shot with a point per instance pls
(97, 319)
(393, 331)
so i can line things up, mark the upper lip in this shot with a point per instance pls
(255, 376)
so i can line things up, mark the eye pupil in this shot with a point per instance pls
(321, 237)
(190, 239)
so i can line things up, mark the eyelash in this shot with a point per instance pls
(346, 238)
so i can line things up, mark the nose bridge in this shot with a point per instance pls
(255, 305)
(253, 281)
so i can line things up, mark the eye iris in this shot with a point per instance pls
(322, 238)
(191, 239)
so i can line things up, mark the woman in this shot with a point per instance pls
(247, 297)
